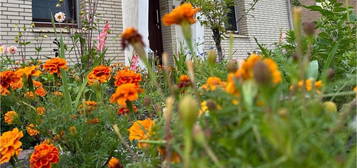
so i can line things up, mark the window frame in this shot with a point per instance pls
(48, 23)
(236, 14)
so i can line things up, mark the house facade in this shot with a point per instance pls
(265, 23)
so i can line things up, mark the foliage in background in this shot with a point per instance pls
(214, 15)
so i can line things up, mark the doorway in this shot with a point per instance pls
(155, 31)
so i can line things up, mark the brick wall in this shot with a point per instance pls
(19, 12)
(270, 19)
(168, 32)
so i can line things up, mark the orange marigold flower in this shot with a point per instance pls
(40, 92)
(29, 95)
(318, 84)
(10, 145)
(93, 121)
(88, 106)
(125, 110)
(54, 65)
(231, 86)
(185, 81)
(10, 116)
(308, 85)
(99, 74)
(141, 130)
(114, 163)
(127, 76)
(131, 36)
(175, 157)
(355, 89)
(254, 61)
(29, 71)
(124, 93)
(31, 130)
(40, 110)
(57, 93)
(212, 83)
(184, 13)
(4, 91)
(44, 155)
(17, 85)
(245, 71)
(7, 79)
(37, 84)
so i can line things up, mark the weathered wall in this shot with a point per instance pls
(19, 12)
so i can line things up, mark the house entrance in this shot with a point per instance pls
(155, 31)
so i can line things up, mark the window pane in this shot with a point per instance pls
(232, 21)
(42, 10)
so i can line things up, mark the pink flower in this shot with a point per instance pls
(103, 37)
(12, 50)
(134, 63)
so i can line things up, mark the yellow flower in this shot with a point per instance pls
(31, 130)
(10, 116)
(203, 109)
(10, 145)
(141, 130)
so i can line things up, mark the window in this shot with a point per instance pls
(43, 10)
(231, 24)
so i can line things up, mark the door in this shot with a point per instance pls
(155, 33)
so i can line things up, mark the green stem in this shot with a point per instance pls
(188, 146)
(187, 34)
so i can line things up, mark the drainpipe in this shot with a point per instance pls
(290, 14)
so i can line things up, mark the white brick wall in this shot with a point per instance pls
(270, 18)
(19, 12)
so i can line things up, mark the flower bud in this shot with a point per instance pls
(211, 105)
(283, 112)
(212, 56)
(330, 73)
(261, 73)
(198, 134)
(188, 111)
(167, 112)
(309, 28)
(232, 66)
(73, 130)
(330, 107)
